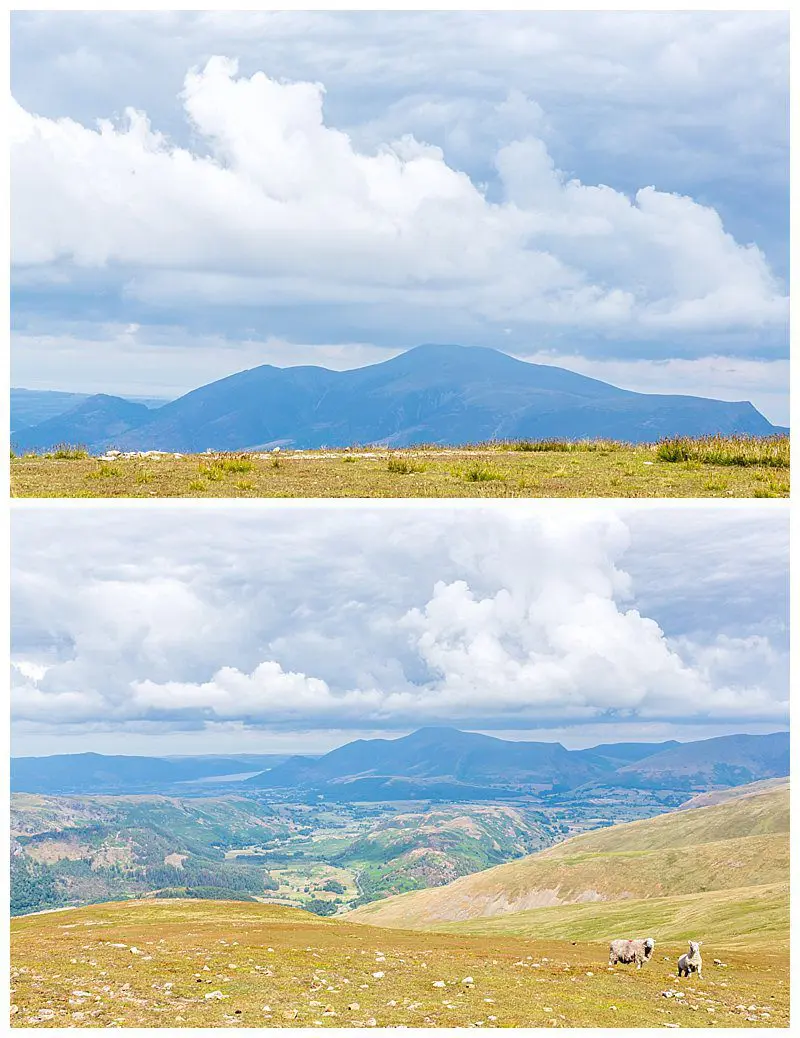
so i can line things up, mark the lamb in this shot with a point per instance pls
(637, 951)
(691, 961)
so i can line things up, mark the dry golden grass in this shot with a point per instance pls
(502, 470)
(278, 967)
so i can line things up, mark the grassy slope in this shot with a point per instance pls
(284, 968)
(739, 843)
(612, 471)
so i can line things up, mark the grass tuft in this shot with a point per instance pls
(68, 452)
(768, 451)
(104, 471)
(482, 474)
(566, 446)
(403, 466)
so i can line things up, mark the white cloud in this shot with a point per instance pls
(389, 619)
(275, 205)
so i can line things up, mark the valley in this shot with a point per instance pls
(278, 908)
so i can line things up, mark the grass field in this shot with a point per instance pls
(709, 467)
(228, 964)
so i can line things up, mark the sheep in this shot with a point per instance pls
(637, 951)
(691, 961)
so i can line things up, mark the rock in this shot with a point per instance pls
(438, 984)
(353, 1007)
(468, 982)
(379, 975)
(135, 951)
(214, 994)
(372, 1022)
(547, 1009)
(589, 973)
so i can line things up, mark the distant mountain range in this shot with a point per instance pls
(86, 773)
(430, 764)
(33, 407)
(431, 394)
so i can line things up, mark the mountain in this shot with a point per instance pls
(434, 754)
(98, 417)
(730, 760)
(740, 843)
(446, 763)
(430, 394)
(99, 773)
(30, 407)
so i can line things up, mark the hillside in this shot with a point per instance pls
(719, 796)
(431, 394)
(739, 843)
(224, 964)
(67, 850)
(730, 760)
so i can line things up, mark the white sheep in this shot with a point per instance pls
(638, 951)
(691, 961)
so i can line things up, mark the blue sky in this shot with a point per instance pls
(247, 630)
(193, 194)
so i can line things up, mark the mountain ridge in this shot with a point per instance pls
(444, 394)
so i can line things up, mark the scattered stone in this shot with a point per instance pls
(438, 984)
(372, 1022)
(353, 1007)
(379, 975)
(468, 982)
(214, 994)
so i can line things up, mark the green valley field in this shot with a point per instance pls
(709, 467)
(488, 950)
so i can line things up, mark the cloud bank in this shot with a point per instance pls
(272, 206)
(474, 617)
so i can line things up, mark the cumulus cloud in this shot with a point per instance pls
(481, 617)
(274, 205)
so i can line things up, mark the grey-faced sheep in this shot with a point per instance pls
(691, 961)
(638, 951)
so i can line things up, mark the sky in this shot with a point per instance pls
(198, 193)
(306, 625)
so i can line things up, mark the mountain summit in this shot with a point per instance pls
(449, 395)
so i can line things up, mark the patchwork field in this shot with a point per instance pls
(711, 467)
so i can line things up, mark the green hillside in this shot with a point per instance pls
(224, 964)
(742, 842)
(733, 918)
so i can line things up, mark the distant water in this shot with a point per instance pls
(239, 777)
